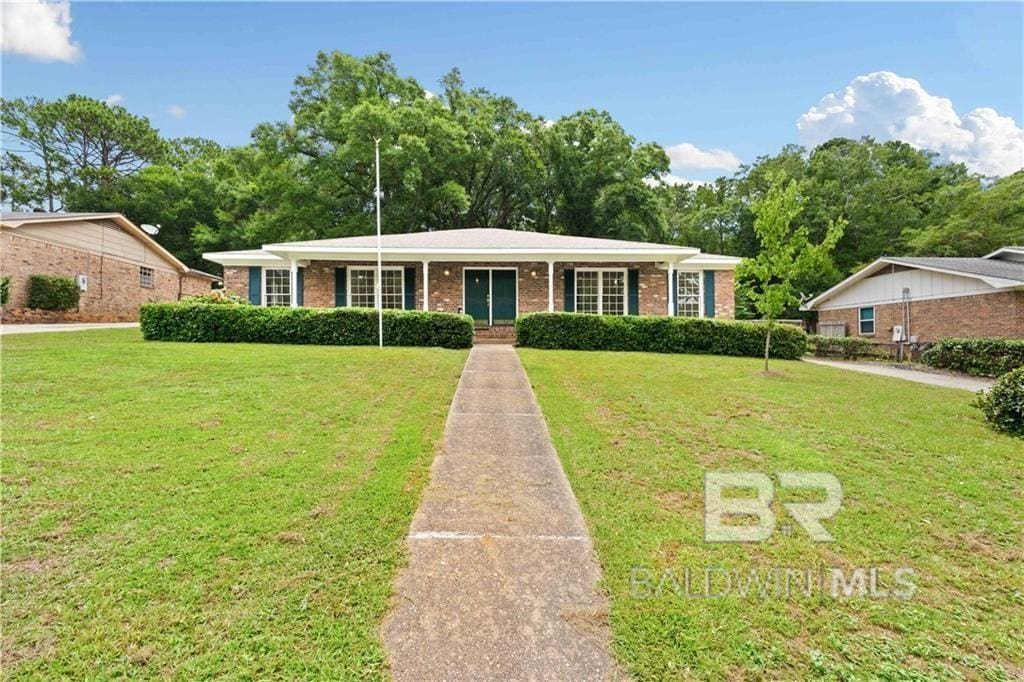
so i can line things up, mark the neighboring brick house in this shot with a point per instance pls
(117, 265)
(925, 299)
(492, 274)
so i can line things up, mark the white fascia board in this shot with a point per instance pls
(1005, 249)
(288, 252)
(709, 261)
(234, 258)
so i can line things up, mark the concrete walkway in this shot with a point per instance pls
(944, 380)
(502, 578)
(63, 327)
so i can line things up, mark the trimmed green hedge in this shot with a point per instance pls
(200, 322)
(981, 357)
(575, 331)
(847, 347)
(52, 292)
(1004, 404)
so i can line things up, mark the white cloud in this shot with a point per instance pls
(428, 94)
(687, 155)
(674, 180)
(176, 111)
(114, 100)
(40, 30)
(887, 106)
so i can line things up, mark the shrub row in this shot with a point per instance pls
(1003, 406)
(847, 347)
(981, 357)
(320, 326)
(51, 292)
(574, 331)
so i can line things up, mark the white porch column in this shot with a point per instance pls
(293, 284)
(426, 285)
(551, 286)
(671, 293)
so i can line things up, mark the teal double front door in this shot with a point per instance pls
(490, 295)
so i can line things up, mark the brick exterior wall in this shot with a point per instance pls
(997, 315)
(725, 294)
(446, 290)
(114, 293)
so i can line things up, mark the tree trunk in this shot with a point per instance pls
(767, 344)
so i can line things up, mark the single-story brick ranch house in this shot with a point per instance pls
(494, 275)
(116, 264)
(925, 299)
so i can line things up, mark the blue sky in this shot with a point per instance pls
(728, 77)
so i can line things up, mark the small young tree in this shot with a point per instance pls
(786, 253)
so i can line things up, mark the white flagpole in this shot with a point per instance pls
(379, 289)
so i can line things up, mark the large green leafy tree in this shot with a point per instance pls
(597, 179)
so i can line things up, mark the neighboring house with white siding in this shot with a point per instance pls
(117, 266)
(924, 299)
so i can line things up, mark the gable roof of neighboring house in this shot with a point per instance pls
(14, 220)
(468, 244)
(1001, 269)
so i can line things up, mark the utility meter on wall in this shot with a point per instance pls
(82, 280)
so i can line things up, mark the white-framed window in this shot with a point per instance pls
(601, 291)
(866, 321)
(361, 284)
(689, 293)
(277, 286)
(145, 277)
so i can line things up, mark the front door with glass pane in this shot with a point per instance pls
(490, 296)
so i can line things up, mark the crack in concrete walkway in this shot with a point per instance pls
(502, 580)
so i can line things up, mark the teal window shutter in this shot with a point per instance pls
(299, 284)
(340, 288)
(255, 284)
(633, 288)
(709, 293)
(410, 288)
(570, 290)
(675, 292)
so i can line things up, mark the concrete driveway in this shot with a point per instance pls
(63, 327)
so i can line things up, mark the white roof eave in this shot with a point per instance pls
(503, 254)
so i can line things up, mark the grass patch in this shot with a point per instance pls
(926, 485)
(208, 510)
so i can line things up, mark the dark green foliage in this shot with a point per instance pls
(51, 292)
(5, 289)
(318, 326)
(572, 331)
(981, 357)
(846, 347)
(1003, 406)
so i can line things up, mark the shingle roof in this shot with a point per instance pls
(984, 267)
(37, 215)
(481, 238)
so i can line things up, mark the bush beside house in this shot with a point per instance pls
(980, 357)
(202, 322)
(574, 331)
(52, 292)
(1003, 406)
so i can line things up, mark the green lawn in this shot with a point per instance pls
(208, 510)
(927, 486)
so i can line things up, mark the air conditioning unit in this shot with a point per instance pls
(82, 280)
